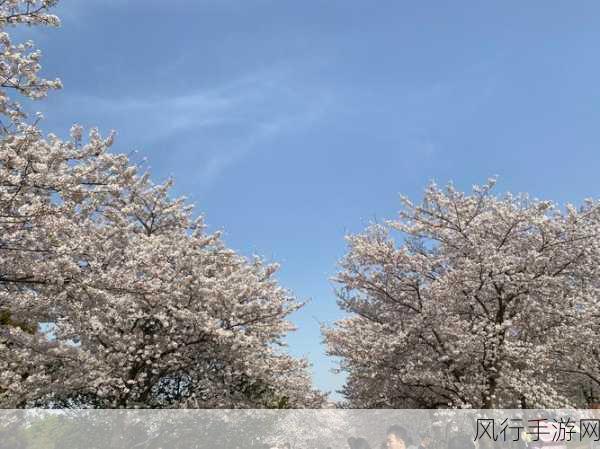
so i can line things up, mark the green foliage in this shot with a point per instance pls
(263, 393)
(6, 319)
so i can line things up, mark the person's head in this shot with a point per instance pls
(358, 443)
(461, 442)
(425, 439)
(397, 438)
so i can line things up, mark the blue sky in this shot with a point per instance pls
(290, 124)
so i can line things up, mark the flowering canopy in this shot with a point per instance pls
(474, 308)
(112, 294)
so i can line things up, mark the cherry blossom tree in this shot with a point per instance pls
(112, 293)
(19, 64)
(298, 429)
(173, 316)
(482, 304)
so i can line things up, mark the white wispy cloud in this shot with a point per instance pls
(229, 121)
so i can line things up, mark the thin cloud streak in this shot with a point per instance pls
(224, 123)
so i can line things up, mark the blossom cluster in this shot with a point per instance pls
(113, 294)
(487, 301)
